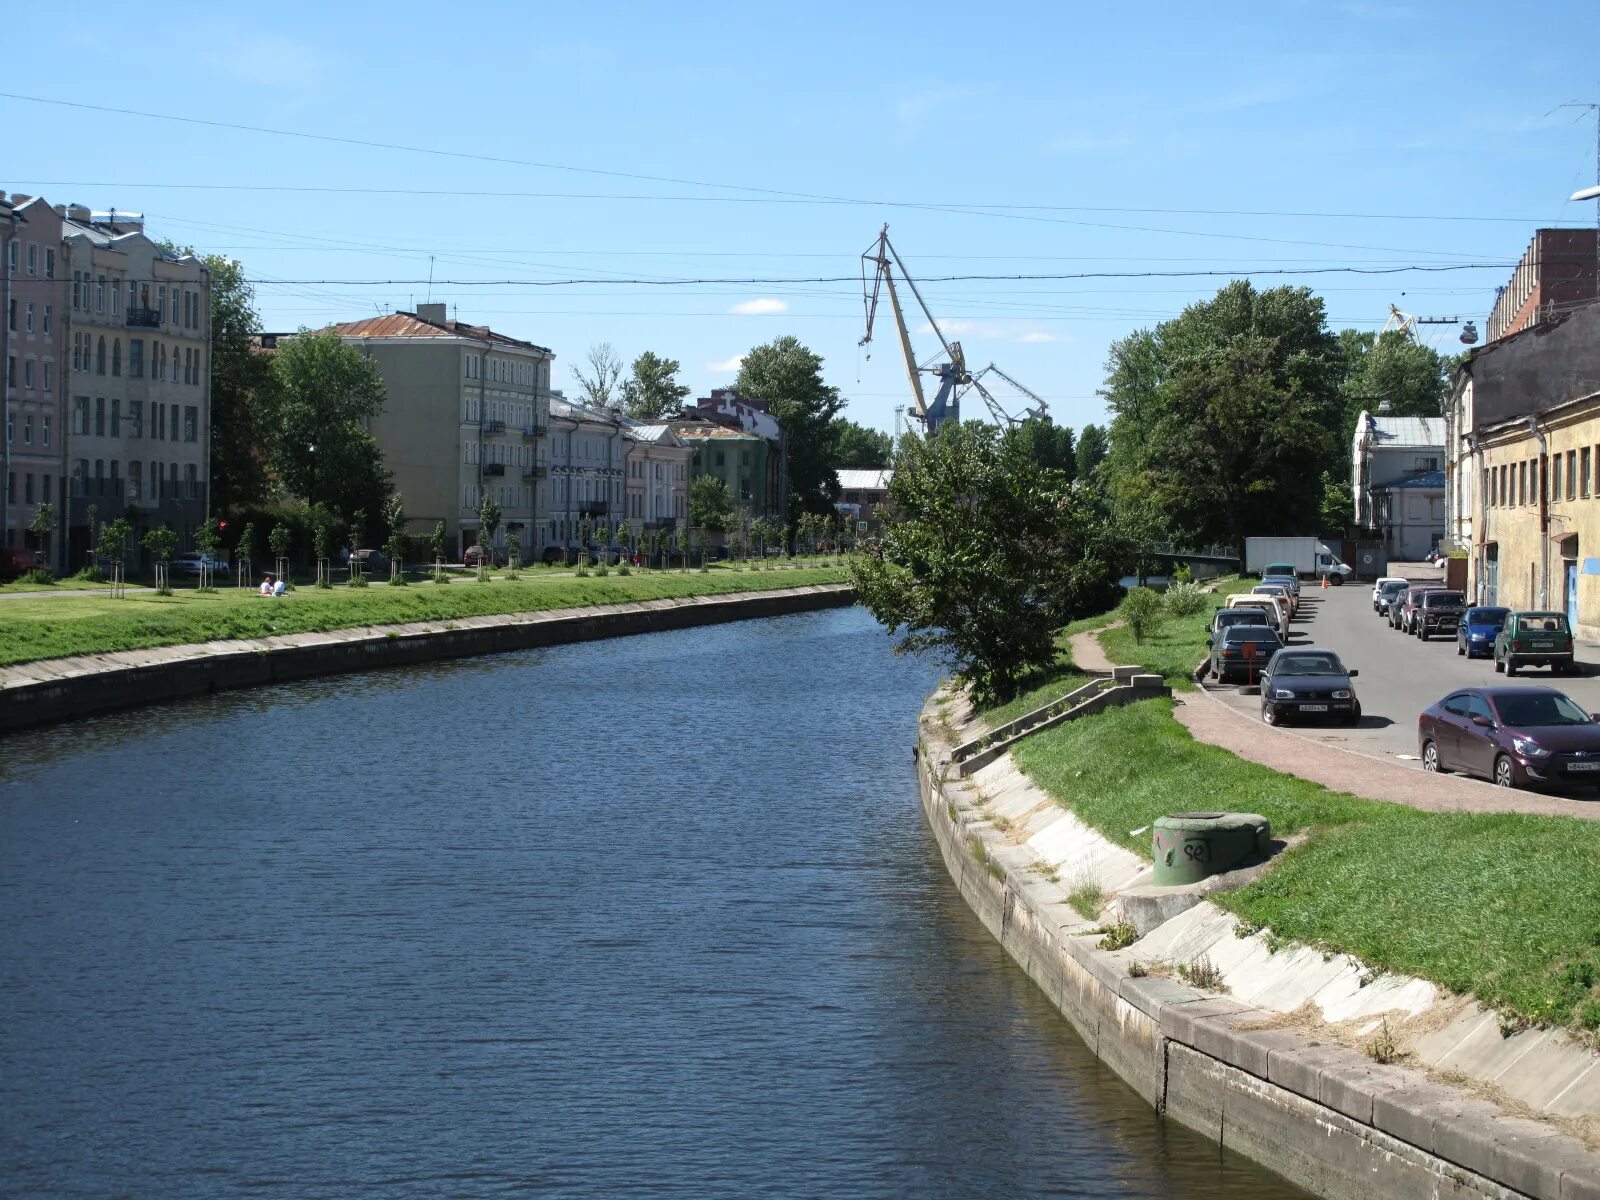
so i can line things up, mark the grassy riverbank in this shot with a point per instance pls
(33, 628)
(1176, 644)
(1502, 906)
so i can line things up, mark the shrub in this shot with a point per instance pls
(1184, 599)
(91, 575)
(37, 575)
(1140, 610)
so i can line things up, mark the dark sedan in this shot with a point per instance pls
(1243, 650)
(1515, 736)
(1308, 682)
(1389, 593)
(1439, 612)
(1225, 617)
(1475, 634)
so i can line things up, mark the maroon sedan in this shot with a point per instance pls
(1516, 736)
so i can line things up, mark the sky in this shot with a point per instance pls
(502, 149)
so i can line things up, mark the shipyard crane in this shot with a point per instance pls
(1038, 410)
(949, 366)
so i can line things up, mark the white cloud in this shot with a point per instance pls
(952, 325)
(1037, 337)
(727, 365)
(760, 307)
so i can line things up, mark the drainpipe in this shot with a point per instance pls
(7, 248)
(1544, 517)
(1480, 528)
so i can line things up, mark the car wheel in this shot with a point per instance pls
(1337, 581)
(1460, 649)
(1499, 666)
(1504, 773)
(1511, 667)
(1430, 757)
(1353, 717)
(1269, 715)
(1422, 635)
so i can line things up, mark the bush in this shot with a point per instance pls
(37, 575)
(91, 575)
(1140, 611)
(1184, 599)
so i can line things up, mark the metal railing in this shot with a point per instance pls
(494, 468)
(140, 317)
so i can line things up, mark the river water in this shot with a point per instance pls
(649, 917)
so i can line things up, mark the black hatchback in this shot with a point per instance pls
(1308, 682)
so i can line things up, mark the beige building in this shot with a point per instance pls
(1539, 527)
(657, 473)
(588, 454)
(33, 336)
(467, 413)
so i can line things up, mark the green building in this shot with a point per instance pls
(748, 463)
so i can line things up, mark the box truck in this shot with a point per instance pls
(1308, 557)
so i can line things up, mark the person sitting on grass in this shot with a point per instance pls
(266, 585)
(279, 588)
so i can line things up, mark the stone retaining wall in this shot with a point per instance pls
(63, 689)
(1325, 1116)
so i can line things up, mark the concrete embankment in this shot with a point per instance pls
(1266, 1054)
(61, 689)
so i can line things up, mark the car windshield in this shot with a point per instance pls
(1542, 623)
(1285, 580)
(1527, 709)
(1250, 633)
(1443, 600)
(1308, 664)
(1486, 616)
(1398, 585)
(1267, 589)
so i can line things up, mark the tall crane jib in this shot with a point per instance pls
(879, 263)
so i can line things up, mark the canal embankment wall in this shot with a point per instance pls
(1262, 1069)
(63, 689)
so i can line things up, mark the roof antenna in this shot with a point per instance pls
(430, 277)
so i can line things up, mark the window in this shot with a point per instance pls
(27, 373)
(135, 418)
(161, 301)
(49, 373)
(45, 433)
(116, 356)
(11, 314)
(135, 479)
(100, 416)
(175, 306)
(27, 488)
(100, 293)
(116, 417)
(33, 259)
(11, 370)
(1522, 483)
(28, 317)
(77, 290)
(27, 431)
(100, 357)
(80, 414)
(1572, 474)
(191, 478)
(48, 322)
(135, 358)
(1555, 477)
(11, 257)
(116, 296)
(49, 262)
(191, 423)
(1583, 472)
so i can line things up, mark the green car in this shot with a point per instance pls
(1534, 639)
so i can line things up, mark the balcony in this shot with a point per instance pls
(494, 468)
(493, 426)
(535, 472)
(140, 317)
(594, 508)
(535, 431)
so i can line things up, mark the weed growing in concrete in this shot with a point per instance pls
(1137, 969)
(1118, 936)
(950, 811)
(1202, 973)
(1383, 1048)
(1087, 897)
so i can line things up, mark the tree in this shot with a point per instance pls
(1392, 374)
(161, 542)
(1051, 445)
(1223, 413)
(322, 544)
(488, 524)
(600, 386)
(788, 377)
(513, 554)
(1140, 610)
(207, 538)
(859, 447)
(114, 538)
(278, 541)
(325, 393)
(710, 506)
(653, 391)
(245, 550)
(986, 554)
(1338, 509)
(43, 525)
(436, 548)
(1092, 448)
(394, 516)
(241, 394)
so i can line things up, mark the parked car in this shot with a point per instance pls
(1402, 611)
(475, 553)
(1534, 639)
(1276, 608)
(1390, 594)
(371, 562)
(1386, 581)
(1292, 582)
(1279, 568)
(1439, 612)
(1275, 589)
(1516, 736)
(1475, 633)
(17, 561)
(190, 564)
(1241, 651)
(1222, 618)
(1307, 681)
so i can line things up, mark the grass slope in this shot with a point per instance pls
(1504, 906)
(52, 627)
(1174, 647)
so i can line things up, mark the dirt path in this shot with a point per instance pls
(1086, 652)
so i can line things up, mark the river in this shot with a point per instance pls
(649, 917)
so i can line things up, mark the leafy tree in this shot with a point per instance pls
(1092, 448)
(1338, 510)
(278, 541)
(1223, 412)
(114, 538)
(1402, 377)
(42, 525)
(513, 554)
(394, 516)
(436, 548)
(325, 392)
(710, 506)
(1051, 445)
(242, 398)
(653, 389)
(244, 551)
(788, 377)
(488, 524)
(1140, 611)
(859, 447)
(682, 540)
(985, 555)
(600, 386)
(161, 542)
(207, 539)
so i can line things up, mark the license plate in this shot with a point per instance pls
(1543, 645)
(1594, 766)
(1324, 708)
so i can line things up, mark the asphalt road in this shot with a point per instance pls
(1400, 675)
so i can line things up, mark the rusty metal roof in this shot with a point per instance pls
(406, 324)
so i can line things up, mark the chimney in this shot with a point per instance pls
(78, 212)
(18, 199)
(432, 312)
(61, 211)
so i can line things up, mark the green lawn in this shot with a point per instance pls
(69, 584)
(1174, 647)
(1057, 680)
(55, 626)
(1506, 907)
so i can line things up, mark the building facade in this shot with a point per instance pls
(135, 323)
(467, 413)
(1539, 544)
(862, 497)
(764, 488)
(588, 456)
(1398, 482)
(657, 473)
(30, 249)
(741, 460)
(1556, 273)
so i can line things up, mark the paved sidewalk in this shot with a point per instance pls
(1212, 721)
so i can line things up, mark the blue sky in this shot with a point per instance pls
(1119, 139)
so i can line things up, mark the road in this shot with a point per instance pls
(1400, 675)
